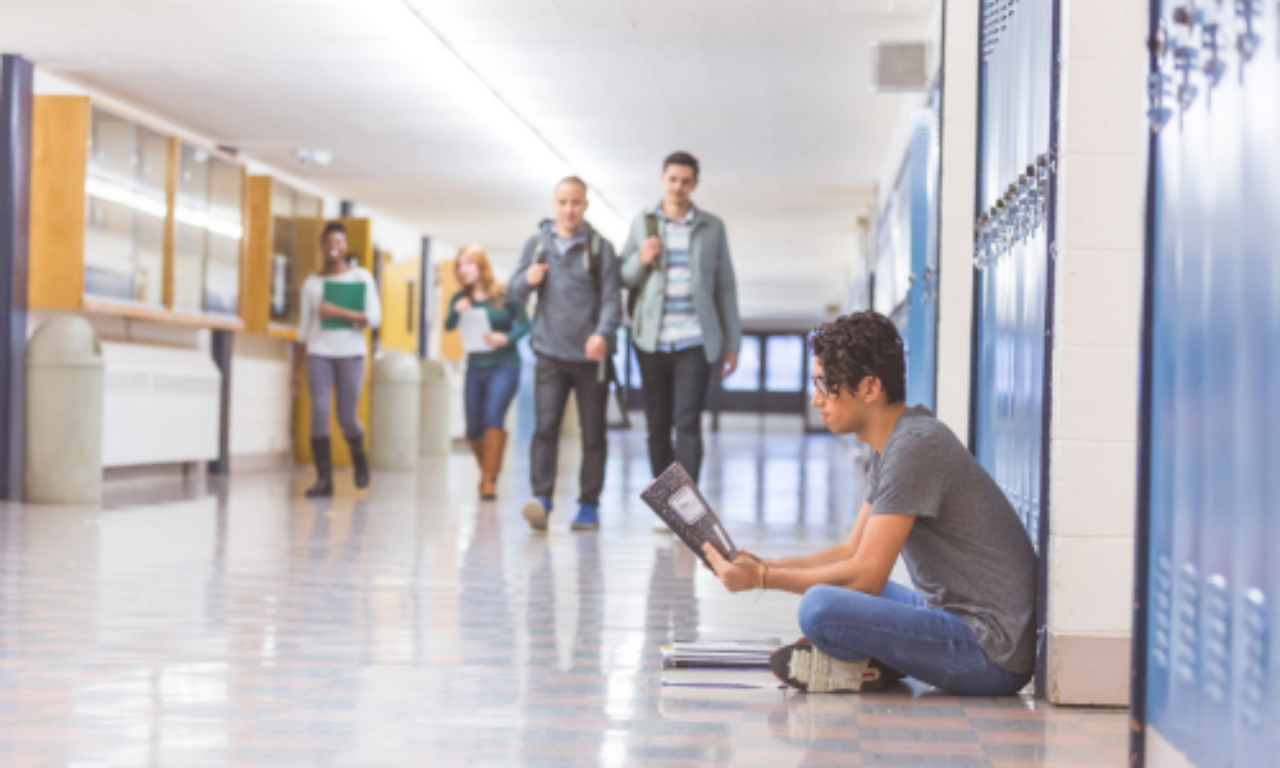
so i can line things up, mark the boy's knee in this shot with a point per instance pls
(815, 605)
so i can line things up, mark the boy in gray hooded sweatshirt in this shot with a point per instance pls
(574, 271)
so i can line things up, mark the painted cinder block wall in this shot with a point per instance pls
(1098, 274)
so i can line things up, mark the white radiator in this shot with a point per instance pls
(161, 405)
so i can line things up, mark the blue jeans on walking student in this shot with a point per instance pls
(899, 629)
(489, 392)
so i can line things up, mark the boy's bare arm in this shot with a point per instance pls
(842, 551)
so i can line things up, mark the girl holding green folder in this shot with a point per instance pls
(337, 305)
(493, 376)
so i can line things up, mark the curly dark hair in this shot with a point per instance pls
(858, 345)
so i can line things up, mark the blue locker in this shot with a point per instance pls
(1012, 251)
(892, 284)
(906, 277)
(922, 314)
(1206, 626)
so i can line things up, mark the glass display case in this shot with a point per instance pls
(294, 225)
(207, 232)
(130, 221)
(126, 210)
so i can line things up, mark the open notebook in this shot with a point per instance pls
(676, 499)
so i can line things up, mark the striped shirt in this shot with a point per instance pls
(680, 328)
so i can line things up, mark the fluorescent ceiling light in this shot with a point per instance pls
(448, 67)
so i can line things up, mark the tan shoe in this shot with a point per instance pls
(495, 445)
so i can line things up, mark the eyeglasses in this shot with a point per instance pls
(820, 385)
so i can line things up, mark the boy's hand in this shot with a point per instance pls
(650, 249)
(535, 274)
(596, 348)
(739, 576)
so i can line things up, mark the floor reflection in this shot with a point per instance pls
(237, 623)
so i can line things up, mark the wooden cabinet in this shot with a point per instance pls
(283, 249)
(129, 220)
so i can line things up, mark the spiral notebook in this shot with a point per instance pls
(675, 498)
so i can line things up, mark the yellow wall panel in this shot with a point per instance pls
(450, 341)
(400, 303)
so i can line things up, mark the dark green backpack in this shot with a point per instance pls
(651, 229)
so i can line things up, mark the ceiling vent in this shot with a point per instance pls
(897, 67)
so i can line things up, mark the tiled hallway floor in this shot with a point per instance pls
(242, 625)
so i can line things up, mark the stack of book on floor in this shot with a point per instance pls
(728, 663)
(719, 653)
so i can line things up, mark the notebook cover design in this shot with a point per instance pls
(345, 295)
(676, 499)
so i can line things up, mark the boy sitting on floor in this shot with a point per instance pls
(968, 626)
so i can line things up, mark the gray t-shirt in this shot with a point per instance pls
(968, 552)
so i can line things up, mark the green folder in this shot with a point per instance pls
(345, 295)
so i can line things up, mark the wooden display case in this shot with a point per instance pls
(283, 249)
(104, 217)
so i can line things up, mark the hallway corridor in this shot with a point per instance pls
(242, 625)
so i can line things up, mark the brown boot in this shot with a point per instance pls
(495, 445)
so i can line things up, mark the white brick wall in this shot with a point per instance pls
(1098, 272)
(955, 237)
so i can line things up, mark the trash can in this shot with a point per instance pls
(393, 431)
(65, 371)
(435, 439)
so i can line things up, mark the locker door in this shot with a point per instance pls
(905, 283)
(1012, 251)
(1208, 576)
(922, 313)
(1012, 254)
(892, 282)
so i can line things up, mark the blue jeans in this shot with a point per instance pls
(899, 629)
(489, 392)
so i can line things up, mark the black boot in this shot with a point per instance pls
(324, 469)
(360, 462)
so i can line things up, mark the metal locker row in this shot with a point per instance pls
(922, 318)
(1012, 249)
(1208, 685)
(906, 273)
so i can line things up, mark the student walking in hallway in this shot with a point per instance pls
(574, 271)
(685, 310)
(337, 305)
(492, 376)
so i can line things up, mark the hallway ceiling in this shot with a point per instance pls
(772, 96)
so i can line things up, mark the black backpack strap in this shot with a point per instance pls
(595, 262)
